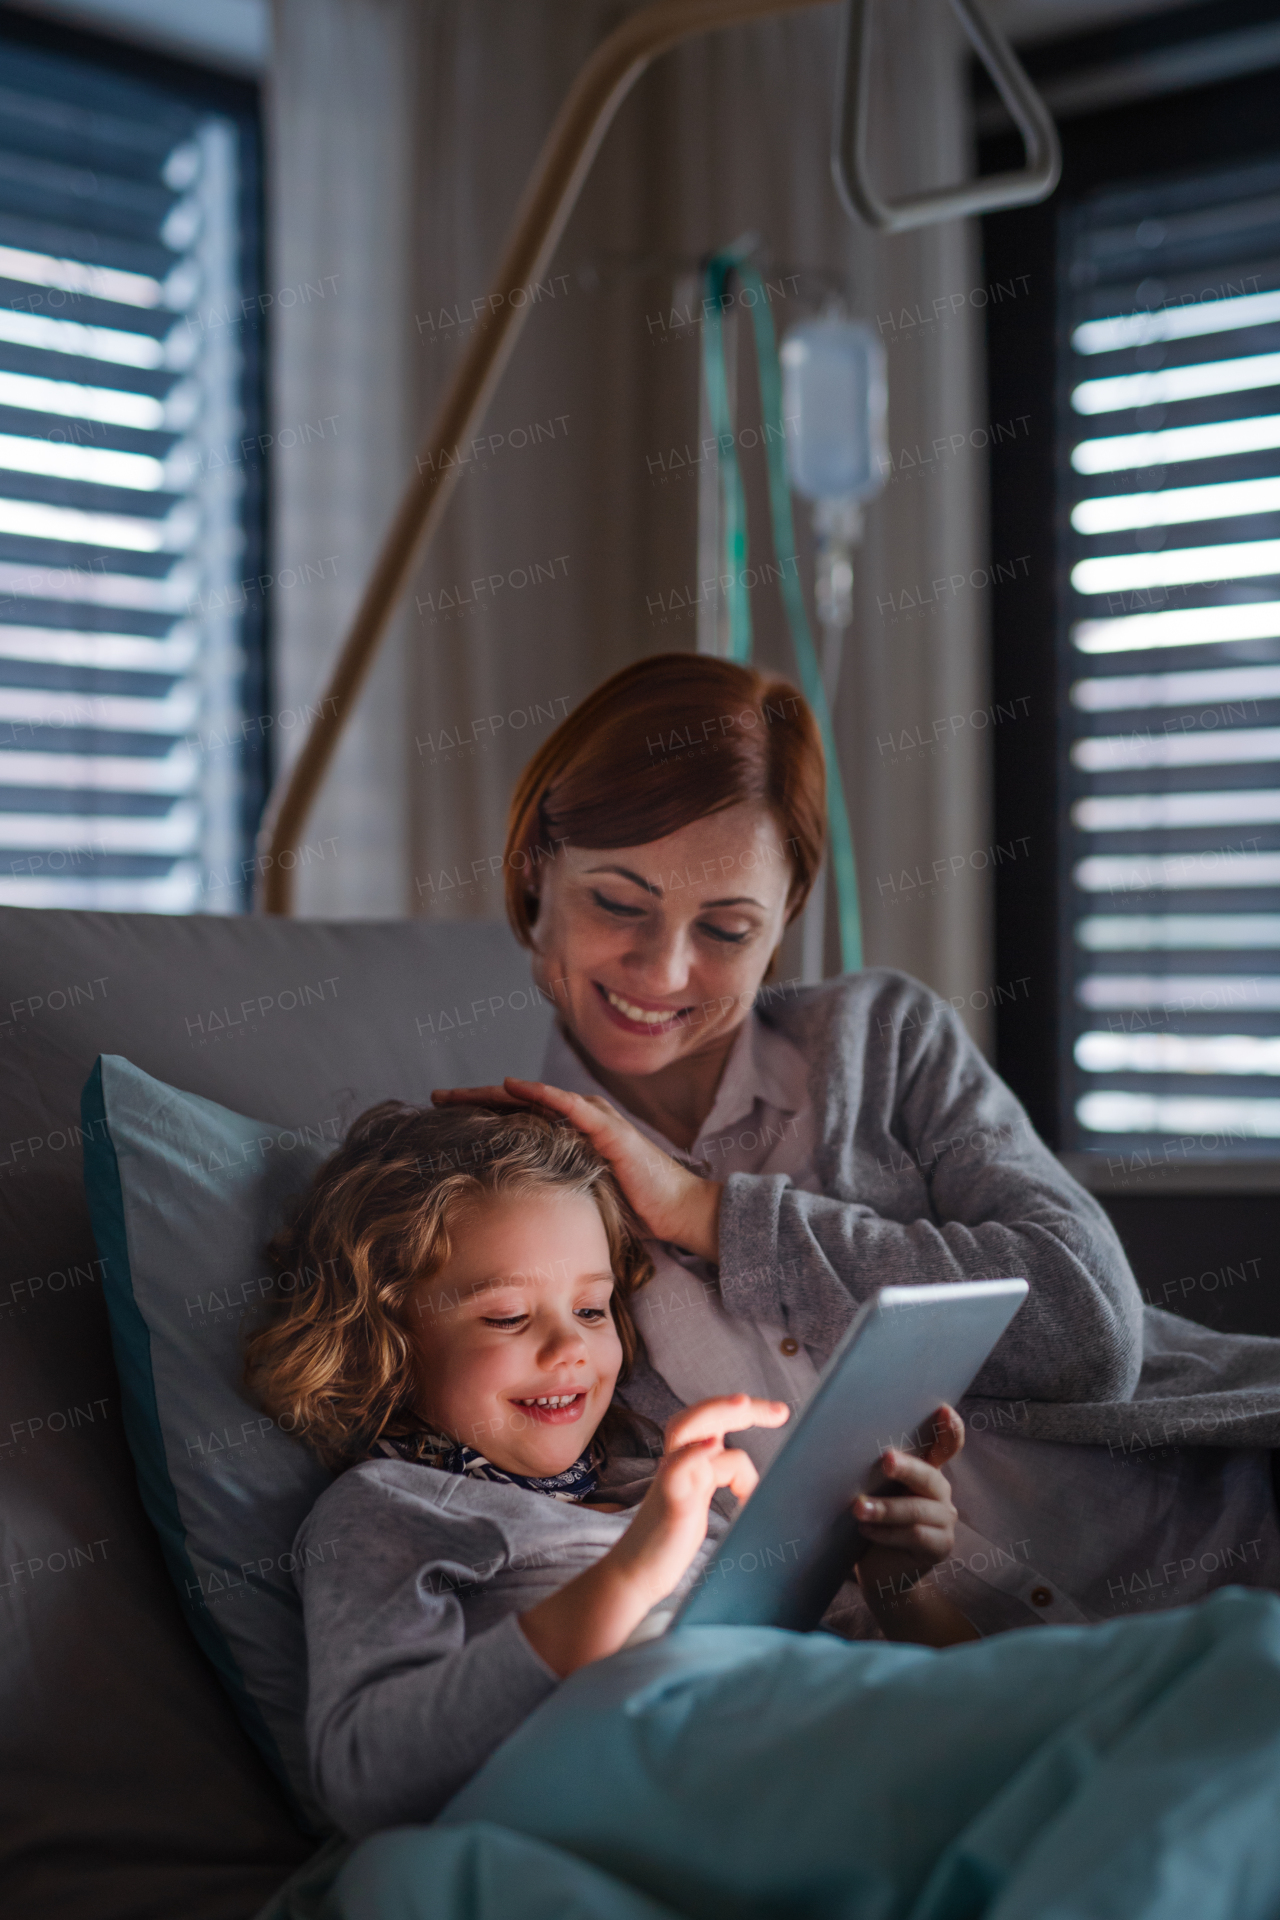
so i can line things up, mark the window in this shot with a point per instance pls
(130, 512)
(1144, 362)
(1171, 423)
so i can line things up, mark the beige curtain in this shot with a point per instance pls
(402, 135)
(342, 103)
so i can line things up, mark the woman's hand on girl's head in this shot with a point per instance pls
(672, 1203)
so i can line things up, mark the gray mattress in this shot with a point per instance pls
(128, 1788)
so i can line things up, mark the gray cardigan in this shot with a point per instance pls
(931, 1171)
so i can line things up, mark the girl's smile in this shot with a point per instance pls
(556, 1410)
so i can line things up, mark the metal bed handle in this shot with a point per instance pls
(987, 194)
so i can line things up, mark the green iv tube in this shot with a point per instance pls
(733, 508)
(733, 502)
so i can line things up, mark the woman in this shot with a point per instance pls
(793, 1148)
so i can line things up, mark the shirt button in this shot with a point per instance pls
(789, 1346)
(1041, 1597)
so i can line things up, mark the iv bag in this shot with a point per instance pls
(834, 403)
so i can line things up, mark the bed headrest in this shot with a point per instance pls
(271, 1017)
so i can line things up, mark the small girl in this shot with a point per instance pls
(505, 1519)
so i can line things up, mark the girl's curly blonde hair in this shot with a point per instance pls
(333, 1362)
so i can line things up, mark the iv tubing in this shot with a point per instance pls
(733, 500)
(843, 862)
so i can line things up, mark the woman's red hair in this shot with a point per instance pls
(659, 745)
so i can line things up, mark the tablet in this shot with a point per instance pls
(909, 1351)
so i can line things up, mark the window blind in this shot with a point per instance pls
(124, 372)
(1169, 430)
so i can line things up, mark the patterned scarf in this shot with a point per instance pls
(429, 1449)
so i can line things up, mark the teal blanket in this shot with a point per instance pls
(1120, 1772)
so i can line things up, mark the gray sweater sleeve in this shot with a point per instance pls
(930, 1171)
(402, 1706)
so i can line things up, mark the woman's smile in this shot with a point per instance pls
(635, 1017)
(653, 955)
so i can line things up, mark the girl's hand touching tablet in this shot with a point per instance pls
(911, 1533)
(594, 1614)
(671, 1522)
